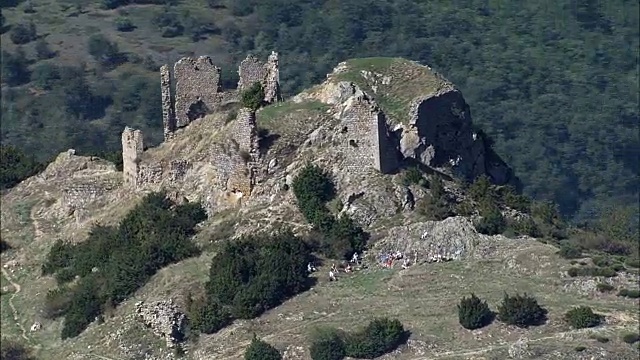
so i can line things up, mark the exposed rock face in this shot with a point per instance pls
(164, 318)
(453, 238)
(440, 135)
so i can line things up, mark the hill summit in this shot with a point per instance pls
(409, 173)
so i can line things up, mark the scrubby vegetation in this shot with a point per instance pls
(474, 313)
(117, 260)
(337, 238)
(542, 116)
(583, 317)
(261, 350)
(521, 310)
(591, 271)
(12, 350)
(250, 276)
(380, 336)
(631, 338)
(16, 166)
(253, 97)
(628, 293)
(604, 287)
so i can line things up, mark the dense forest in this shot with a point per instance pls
(555, 83)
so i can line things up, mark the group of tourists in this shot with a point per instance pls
(386, 260)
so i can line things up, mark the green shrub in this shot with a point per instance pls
(600, 338)
(526, 226)
(583, 317)
(591, 271)
(436, 205)
(492, 221)
(474, 313)
(208, 316)
(327, 344)
(15, 165)
(579, 348)
(521, 311)
(253, 97)
(125, 255)
(631, 338)
(124, 24)
(413, 176)
(628, 293)
(341, 237)
(12, 350)
(258, 272)
(261, 350)
(379, 337)
(570, 251)
(632, 263)
(604, 287)
(21, 34)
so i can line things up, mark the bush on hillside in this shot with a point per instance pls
(591, 271)
(124, 255)
(261, 350)
(631, 338)
(628, 293)
(492, 221)
(436, 204)
(206, 315)
(258, 272)
(570, 251)
(21, 34)
(327, 344)
(43, 51)
(413, 176)
(474, 313)
(12, 350)
(604, 287)
(379, 337)
(253, 97)
(339, 238)
(521, 311)
(16, 166)
(583, 317)
(124, 24)
(525, 226)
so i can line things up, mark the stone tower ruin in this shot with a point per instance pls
(198, 89)
(132, 148)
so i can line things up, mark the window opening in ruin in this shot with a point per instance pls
(197, 110)
(344, 130)
(353, 143)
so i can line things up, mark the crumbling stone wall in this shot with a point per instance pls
(197, 88)
(272, 79)
(155, 173)
(168, 116)
(79, 194)
(366, 142)
(268, 74)
(132, 149)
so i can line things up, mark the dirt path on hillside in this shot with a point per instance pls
(16, 318)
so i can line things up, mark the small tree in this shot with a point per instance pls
(21, 34)
(261, 350)
(583, 317)
(326, 344)
(378, 338)
(570, 251)
(474, 313)
(253, 97)
(124, 24)
(521, 311)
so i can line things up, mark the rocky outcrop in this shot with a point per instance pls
(440, 135)
(453, 238)
(165, 320)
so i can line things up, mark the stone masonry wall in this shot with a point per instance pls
(268, 74)
(250, 72)
(197, 88)
(168, 115)
(132, 148)
(79, 194)
(366, 140)
(272, 80)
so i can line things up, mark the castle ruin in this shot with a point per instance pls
(235, 160)
(198, 90)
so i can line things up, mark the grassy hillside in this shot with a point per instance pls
(555, 83)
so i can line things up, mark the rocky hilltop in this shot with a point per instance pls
(366, 124)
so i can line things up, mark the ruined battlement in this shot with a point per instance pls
(198, 89)
(132, 149)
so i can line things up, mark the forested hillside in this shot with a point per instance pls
(555, 83)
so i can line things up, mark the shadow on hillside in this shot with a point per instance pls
(266, 140)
